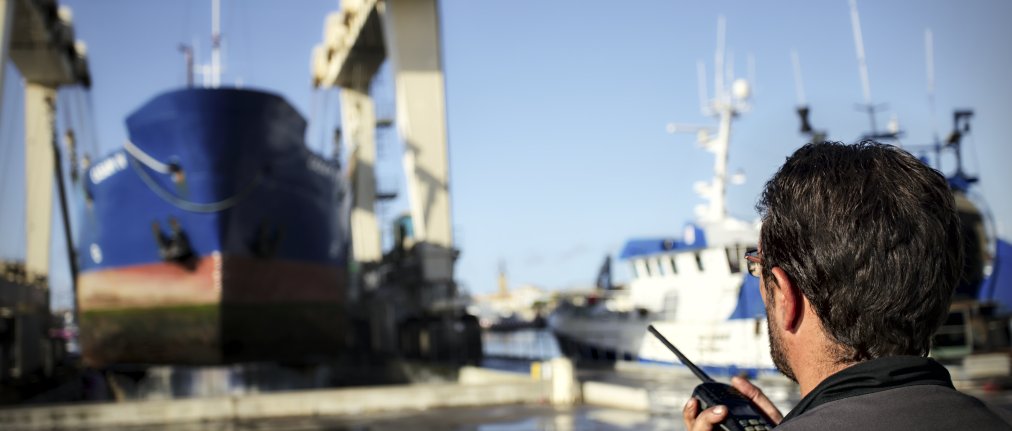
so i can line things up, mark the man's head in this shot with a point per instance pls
(869, 235)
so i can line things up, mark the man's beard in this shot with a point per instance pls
(777, 350)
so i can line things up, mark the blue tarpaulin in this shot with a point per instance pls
(750, 303)
(998, 286)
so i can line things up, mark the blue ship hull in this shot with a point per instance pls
(213, 236)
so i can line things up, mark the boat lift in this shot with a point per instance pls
(410, 294)
(38, 36)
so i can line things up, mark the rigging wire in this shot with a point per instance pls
(82, 146)
(82, 134)
(314, 116)
(324, 121)
(93, 131)
(62, 96)
(87, 127)
(64, 108)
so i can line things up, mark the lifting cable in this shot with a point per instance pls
(90, 121)
(323, 121)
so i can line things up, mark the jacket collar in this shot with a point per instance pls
(874, 376)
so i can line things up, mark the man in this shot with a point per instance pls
(860, 251)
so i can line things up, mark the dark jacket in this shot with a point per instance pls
(894, 393)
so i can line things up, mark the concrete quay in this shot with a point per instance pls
(474, 387)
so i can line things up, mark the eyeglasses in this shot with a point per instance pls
(754, 262)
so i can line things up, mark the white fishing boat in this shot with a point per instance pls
(694, 289)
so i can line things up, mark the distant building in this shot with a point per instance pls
(523, 304)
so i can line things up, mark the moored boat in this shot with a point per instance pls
(694, 289)
(214, 235)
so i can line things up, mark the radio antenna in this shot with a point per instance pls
(750, 64)
(893, 131)
(862, 64)
(701, 77)
(695, 370)
(718, 60)
(929, 65)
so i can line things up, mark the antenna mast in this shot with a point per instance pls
(869, 107)
(855, 23)
(215, 43)
(703, 99)
(718, 61)
(802, 108)
(725, 105)
(187, 51)
(929, 64)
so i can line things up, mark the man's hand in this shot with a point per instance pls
(702, 421)
(705, 420)
(758, 398)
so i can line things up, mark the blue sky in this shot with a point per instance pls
(557, 109)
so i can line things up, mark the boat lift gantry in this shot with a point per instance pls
(38, 36)
(414, 291)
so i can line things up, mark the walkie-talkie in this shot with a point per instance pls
(742, 414)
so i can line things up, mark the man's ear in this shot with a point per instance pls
(790, 301)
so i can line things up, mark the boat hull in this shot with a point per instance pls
(226, 309)
(721, 348)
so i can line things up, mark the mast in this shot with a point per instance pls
(872, 109)
(725, 105)
(718, 59)
(215, 43)
(719, 146)
(929, 66)
(187, 51)
(862, 65)
(803, 109)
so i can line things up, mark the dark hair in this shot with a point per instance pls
(870, 235)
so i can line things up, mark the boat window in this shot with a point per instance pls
(645, 268)
(661, 270)
(699, 261)
(674, 266)
(636, 270)
(734, 256)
